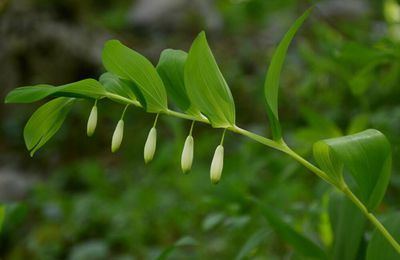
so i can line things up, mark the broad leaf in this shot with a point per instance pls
(87, 88)
(300, 243)
(379, 247)
(271, 85)
(121, 87)
(171, 69)
(367, 157)
(206, 87)
(128, 64)
(45, 122)
(345, 216)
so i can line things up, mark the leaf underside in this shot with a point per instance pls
(121, 87)
(87, 88)
(171, 68)
(365, 155)
(45, 122)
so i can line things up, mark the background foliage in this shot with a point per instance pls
(77, 200)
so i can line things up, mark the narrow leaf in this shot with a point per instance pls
(206, 87)
(87, 88)
(271, 84)
(45, 122)
(367, 157)
(379, 247)
(300, 243)
(171, 67)
(128, 64)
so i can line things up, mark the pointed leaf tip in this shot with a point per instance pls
(130, 65)
(271, 85)
(206, 87)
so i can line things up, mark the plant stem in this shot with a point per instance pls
(372, 218)
(123, 113)
(191, 128)
(155, 120)
(223, 137)
(283, 147)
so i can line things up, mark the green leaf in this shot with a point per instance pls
(2, 215)
(366, 155)
(185, 241)
(124, 88)
(379, 247)
(87, 88)
(344, 217)
(130, 65)
(271, 85)
(171, 67)
(206, 87)
(300, 243)
(45, 122)
(255, 240)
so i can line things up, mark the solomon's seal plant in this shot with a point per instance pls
(196, 85)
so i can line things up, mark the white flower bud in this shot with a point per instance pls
(187, 155)
(217, 164)
(117, 136)
(150, 145)
(92, 121)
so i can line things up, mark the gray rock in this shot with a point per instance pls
(171, 14)
(15, 185)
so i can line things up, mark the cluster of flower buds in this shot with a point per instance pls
(151, 143)
(217, 163)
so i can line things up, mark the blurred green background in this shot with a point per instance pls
(77, 200)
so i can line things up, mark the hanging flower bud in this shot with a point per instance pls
(92, 121)
(150, 145)
(187, 155)
(217, 164)
(117, 136)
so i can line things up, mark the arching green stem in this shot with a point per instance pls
(191, 127)
(156, 120)
(283, 147)
(123, 113)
